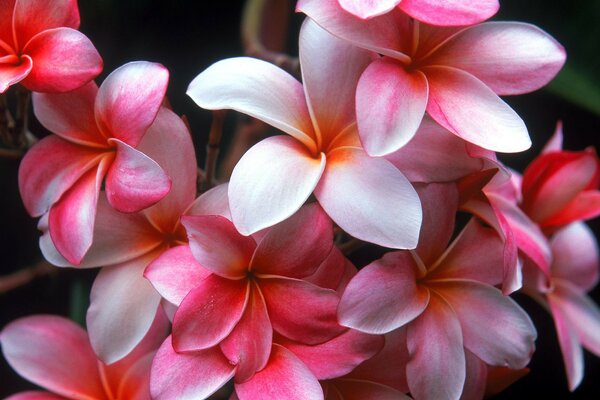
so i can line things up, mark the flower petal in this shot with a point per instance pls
(32, 17)
(70, 115)
(11, 73)
(450, 13)
(323, 74)
(370, 199)
(509, 57)
(259, 89)
(248, 346)
(368, 9)
(218, 246)
(72, 218)
(134, 181)
(213, 202)
(390, 104)
(188, 376)
(209, 313)
(294, 380)
(436, 368)
(388, 34)
(129, 99)
(123, 305)
(509, 341)
(295, 247)
(271, 181)
(175, 273)
(63, 59)
(42, 187)
(300, 310)
(465, 106)
(383, 296)
(67, 366)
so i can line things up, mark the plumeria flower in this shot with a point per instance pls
(458, 12)
(55, 353)
(365, 196)
(574, 271)
(455, 74)
(442, 295)
(41, 48)
(96, 131)
(234, 291)
(123, 302)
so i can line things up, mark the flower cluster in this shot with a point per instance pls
(391, 132)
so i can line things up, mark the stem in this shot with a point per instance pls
(248, 131)
(21, 120)
(25, 276)
(212, 148)
(264, 32)
(351, 246)
(4, 119)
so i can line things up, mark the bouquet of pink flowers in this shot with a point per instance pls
(387, 128)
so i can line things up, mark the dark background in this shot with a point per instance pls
(187, 36)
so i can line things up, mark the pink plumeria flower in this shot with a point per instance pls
(574, 272)
(443, 295)
(455, 74)
(55, 353)
(41, 48)
(123, 302)
(434, 12)
(96, 131)
(365, 196)
(234, 291)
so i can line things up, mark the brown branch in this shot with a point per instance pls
(25, 276)
(264, 32)
(248, 132)
(4, 119)
(22, 117)
(351, 246)
(212, 149)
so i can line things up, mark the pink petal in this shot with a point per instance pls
(575, 256)
(42, 187)
(14, 72)
(134, 181)
(390, 104)
(555, 143)
(175, 273)
(476, 377)
(388, 34)
(70, 115)
(368, 9)
(135, 384)
(338, 356)
(508, 339)
(434, 154)
(465, 106)
(129, 99)
(169, 142)
(63, 59)
(271, 181)
(295, 247)
(218, 246)
(31, 17)
(582, 314)
(586, 205)
(6, 14)
(35, 396)
(453, 12)
(294, 380)
(440, 204)
(209, 313)
(213, 202)
(188, 376)
(476, 254)
(66, 367)
(384, 295)
(370, 199)
(72, 218)
(436, 369)
(323, 74)
(300, 310)
(259, 89)
(332, 271)
(123, 305)
(248, 346)
(509, 57)
(570, 346)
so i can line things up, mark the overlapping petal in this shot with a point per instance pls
(453, 12)
(271, 181)
(370, 199)
(368, 9)
(14, 71)
(31, 17)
